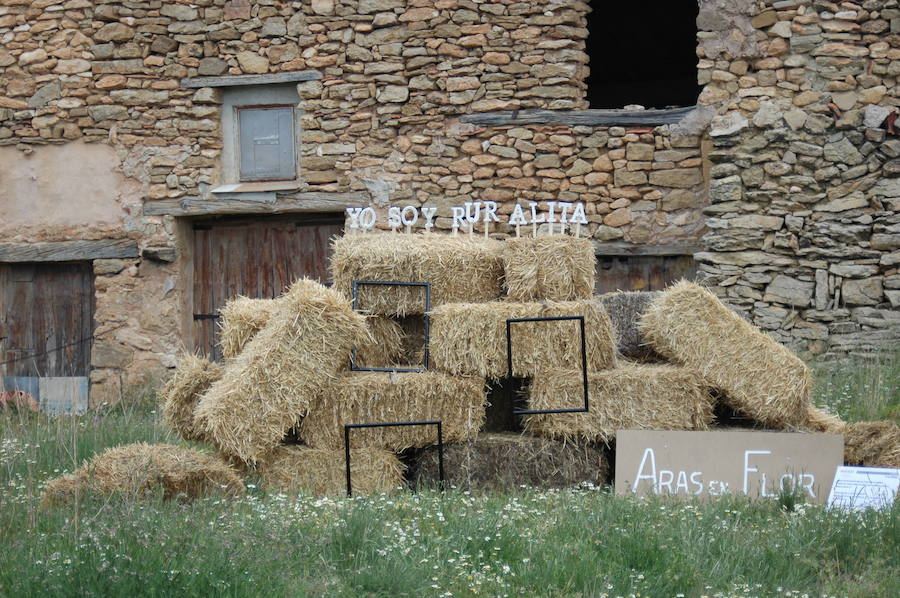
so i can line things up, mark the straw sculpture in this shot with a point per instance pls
(872, 444)
(193, 376)
(507, 461)
(625, 310)
(269, 386)
(758, 376)
(470, 338)
(554, 267)
(135, 470)
(369, 397)
(386, 346)
(458, 268)
(241, 319)
(321, 472)
(632, 397)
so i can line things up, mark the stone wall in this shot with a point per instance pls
(804, 221)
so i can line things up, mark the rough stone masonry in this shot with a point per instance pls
(786, 173)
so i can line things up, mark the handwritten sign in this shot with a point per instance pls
(859, 488)
(757, 464)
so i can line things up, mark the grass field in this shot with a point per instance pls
(578, 542)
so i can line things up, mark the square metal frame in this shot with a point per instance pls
(584, 370)
(427, 320)
(433, 422)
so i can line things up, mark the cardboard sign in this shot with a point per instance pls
(757, 464)
(858, 488)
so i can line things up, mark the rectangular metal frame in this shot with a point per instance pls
(434, 422)
(584, 370)
(427, 320)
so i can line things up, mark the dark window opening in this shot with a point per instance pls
(642, 54)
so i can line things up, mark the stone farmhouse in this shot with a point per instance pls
(158, 157)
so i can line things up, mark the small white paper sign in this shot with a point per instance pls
(858, 488)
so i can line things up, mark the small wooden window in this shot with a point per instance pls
(266, 136)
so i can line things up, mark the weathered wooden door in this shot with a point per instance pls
(256, 258)
(46, 324)
(642, 273)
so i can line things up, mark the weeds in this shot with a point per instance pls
(575, 542)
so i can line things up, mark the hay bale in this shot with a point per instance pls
(470, 338)
(135, 470)
(269, 386)
(872, 444)
(758, 376)
(625, 310)
(369, 397)
(193, 376)
(631, 397)
(823, 422)
(458, 268)
(321, 472)
(507, 461)
(241, 319)
(554, 267)
(387, 345)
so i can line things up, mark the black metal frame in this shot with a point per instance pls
(584, 370)
(427, 320)
(440, 444)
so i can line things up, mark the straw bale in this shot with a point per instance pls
(268, 387)
(470, 338)
(507, 461)
(321, 472)
(625, 310)
(134, 470)
(387, 344)
(631, 397)
(554, 267)
(458, 268)
(872, 444)
(375, 397)
(241, 319)
(823, 422)
(758, 376)
(193, 376)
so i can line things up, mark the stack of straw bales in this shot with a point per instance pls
(241, 319)
(460, 269)
(757, 376)
(286, 376)
(269, 386)
(630, 397)
(506, 461)
(553, 267)
(193, 376)
(369, 397)
(136, 470)
(625, 310)
(295, 468)
(470, 338)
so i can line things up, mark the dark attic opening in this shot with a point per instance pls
(642, 53)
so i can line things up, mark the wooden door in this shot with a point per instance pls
(257, 258)
(46, 324)
(642, 273)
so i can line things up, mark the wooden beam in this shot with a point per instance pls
(234, 80)
(68, 251)
(579, 117)
(285, 203)
(627, 249)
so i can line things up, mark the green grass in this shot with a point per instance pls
(861, 389)
(578, 542)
